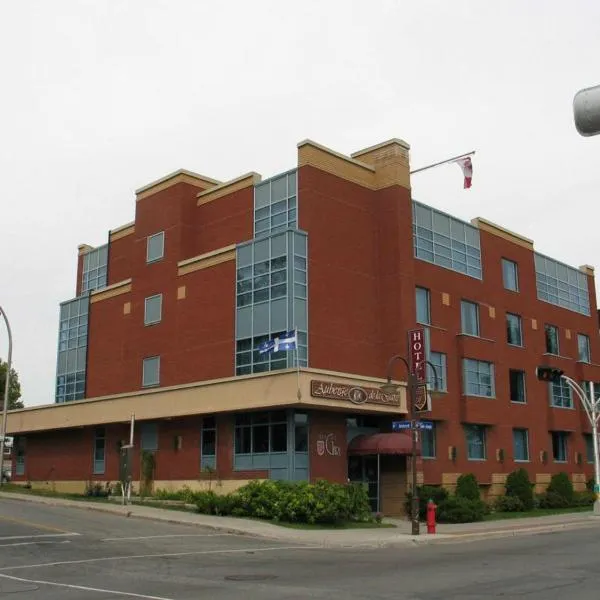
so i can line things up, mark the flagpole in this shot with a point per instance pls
(443, 162)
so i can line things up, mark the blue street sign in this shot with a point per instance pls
(401, 425)
(425, 425)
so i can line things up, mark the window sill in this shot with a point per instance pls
(155, 260)
(522, 460)
(523, 402)
(521, 346)
(150, 385)
(428, 457)
(563, 407)
(561, 462)
(478, 396)
(557, 355)
(477, 459)
(152, 323)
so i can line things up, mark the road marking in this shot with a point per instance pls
(170, 535)
(164, 555)
(32, 524)
(33, 537)
(84, 588)
(33, 543)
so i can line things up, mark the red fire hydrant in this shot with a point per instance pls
(431, 506)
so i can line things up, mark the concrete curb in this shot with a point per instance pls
(357, 538)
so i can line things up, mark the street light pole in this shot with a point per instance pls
(412, 384)
(6, 388)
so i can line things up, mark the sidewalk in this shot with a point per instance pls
(332, 538)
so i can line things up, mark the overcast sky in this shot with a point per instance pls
(101, 97)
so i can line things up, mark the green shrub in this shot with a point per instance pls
(585, 498)
(206, 502)
(426, 492)
(302, 502)
(553, 500)
(467, 487)
(457, 509)
(510, 504)
(561, 485)
(519, 486)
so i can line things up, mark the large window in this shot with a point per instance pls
(19, 445)
(301, 432)
(514, 330)
(510, 275)
(552, 345)
(438, 360)
(478, 378)
(261, 433)
(149, 436)
(72, 350)
(521, 444)
(469, 317)
(560, 394)
(155, 247)
(94, 273)
(271, 299)
(561, 285)
(208, 443)
(99, 450)
(583, 347)
(275, 204)
(428, 442)
(517, 385)
(151, 371)
(422, 300)
(475, 438)
(153, 309)
(446, 241)
(589, 447)
(559, 446)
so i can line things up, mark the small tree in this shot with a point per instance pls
(467, 487)
(519, 486)
(561, 485)
(14, 391)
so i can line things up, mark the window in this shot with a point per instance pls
(517, 385)
(151, 371)
(72, 350)
(438, 360)
(261, 433)
(583, 345)
(521, 444)
(422, 297)
(153, 309)
(586, 388)
(93, 275)
(469, 314)
(561, 285)
(478, 378)
(275, 204)
(208, 443)
(428, 442)
(560, 394)
(552, 346)
(300, 432)
(445, 241)
(149, 436)
(510, 275)
(559, 446)
(19, 445)
(99, 450)
(589, 447)
(475, 436)
(514, 331)
(155, 247)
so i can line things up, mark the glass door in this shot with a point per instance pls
(365, 469)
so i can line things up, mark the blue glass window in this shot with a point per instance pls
(94, 272)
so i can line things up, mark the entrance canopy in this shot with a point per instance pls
(382, 443)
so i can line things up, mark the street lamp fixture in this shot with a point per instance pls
(413, 384)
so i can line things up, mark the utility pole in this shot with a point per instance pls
(6, 388)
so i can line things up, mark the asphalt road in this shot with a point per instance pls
(57, 553)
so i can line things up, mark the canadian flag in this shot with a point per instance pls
(467, 168)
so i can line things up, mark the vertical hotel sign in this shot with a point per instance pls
(418, 368)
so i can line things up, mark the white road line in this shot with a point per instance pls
(33, 543)
(35, 537)
(170, 535)
(164, 555)
(84, 588)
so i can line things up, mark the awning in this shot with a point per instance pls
(382, 443)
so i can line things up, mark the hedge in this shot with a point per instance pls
(293, 502)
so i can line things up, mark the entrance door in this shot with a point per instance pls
(364, 469)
